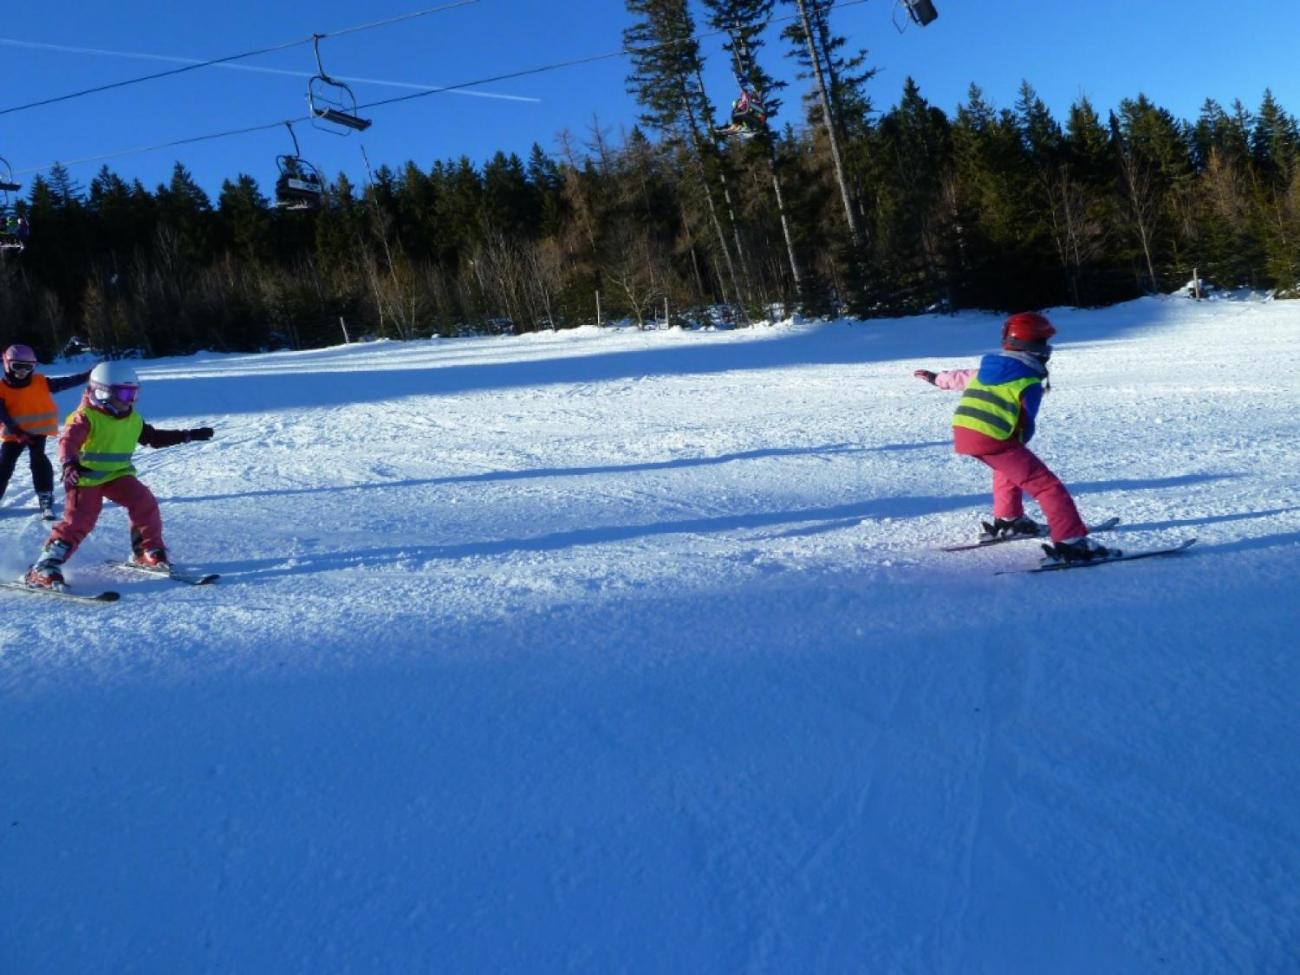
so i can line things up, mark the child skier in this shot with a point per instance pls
(27, 416)
(994, 421)
(96, 447)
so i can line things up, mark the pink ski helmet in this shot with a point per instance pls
(19, 359)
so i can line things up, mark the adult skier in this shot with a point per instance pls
(27, 416)
(98, 441)
(994, 421)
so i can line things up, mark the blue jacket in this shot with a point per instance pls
(1003, 367)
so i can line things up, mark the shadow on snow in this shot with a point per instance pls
(487, 477)
(281, 381)
(796, 521)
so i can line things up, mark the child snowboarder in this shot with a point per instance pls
(96, 447)
(994, 421)
(27, 416)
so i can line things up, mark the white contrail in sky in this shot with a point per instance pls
(67, 49)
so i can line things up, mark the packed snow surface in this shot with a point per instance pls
(616, 651)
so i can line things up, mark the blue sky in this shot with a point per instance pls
(1178, 53)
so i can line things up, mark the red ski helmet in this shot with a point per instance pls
(1028, 331)
(19, 355)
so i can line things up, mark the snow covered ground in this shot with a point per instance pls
(611, 651)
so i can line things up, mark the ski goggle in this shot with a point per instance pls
(118, 394)
(21, 367)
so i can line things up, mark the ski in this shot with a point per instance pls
(176, 575)
(1126, 557)
(1103, 526)
(80, 597)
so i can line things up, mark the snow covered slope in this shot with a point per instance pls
(611, 651)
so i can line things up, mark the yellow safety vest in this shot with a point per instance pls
(107, 451)
(992, 410)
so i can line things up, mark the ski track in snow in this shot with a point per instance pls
(621, 651)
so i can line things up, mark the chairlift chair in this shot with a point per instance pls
(7, 184)
(333, 102)
(13, 228)
(921, 12)
(748, 116)
(300, 185)
(13, 233)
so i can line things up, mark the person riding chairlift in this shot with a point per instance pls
(748, 116)
(17, 228)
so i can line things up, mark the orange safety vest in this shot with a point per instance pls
(31, 407)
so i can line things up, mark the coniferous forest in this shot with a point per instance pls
(836, 206)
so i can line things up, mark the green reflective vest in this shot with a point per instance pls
(106, 454)
(992, 410)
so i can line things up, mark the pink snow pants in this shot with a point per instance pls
(1017, 471)
(83, 505)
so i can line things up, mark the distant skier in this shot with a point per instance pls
(27, 416)
(994, 421)
(98, 441)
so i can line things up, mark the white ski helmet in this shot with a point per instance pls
(114, 387)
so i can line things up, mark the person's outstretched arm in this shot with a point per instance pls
(949, 379)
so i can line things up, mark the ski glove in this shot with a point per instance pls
(200, 433)
(72, 472)
(926, 375)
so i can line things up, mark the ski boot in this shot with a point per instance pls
(46, 500)
(1082, 549)
(153, 559)
(47, 573)
(1022, 527)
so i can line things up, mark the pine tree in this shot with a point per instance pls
(244, 220)
(912, 150)
(1089, 208)
(510, 204)
(546, 181)
(1275, 155)
(1060, 202)
(744, 21)
(665, 79)
(185, 209)
(840, 108)
(1154, 155)
(990, 206)
(1224, 211)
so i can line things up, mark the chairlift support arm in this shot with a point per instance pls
(335, 116)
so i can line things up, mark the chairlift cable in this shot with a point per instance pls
(541, 69)
(69, 96)
(400, 18)
(172, 72)
(577, 62)
(254, 68)
(140, 150)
